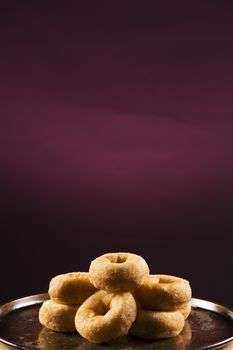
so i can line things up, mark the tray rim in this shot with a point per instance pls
(40, 298)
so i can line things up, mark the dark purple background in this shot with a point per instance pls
(116, 134)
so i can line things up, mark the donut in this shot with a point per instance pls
(105, 316)
(118, 272)
(58, 317)
(185, 310)
(157, 324)
(71, 288)
(163, 292)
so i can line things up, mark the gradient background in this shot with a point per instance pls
(116, 135)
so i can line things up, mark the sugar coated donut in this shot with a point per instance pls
(163, 292)
(118, 271)
(157, 324)
(71, 288)
(105, 316)
(185, 310)
(58, 317)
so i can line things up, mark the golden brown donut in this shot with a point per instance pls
(105, 316)
(185, 310)
(163, 292)
(157, 324)
(58, 317)
(118, 271)
(71, 288)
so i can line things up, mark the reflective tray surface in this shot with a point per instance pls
(210, 326)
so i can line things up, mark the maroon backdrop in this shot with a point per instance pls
(116, 134)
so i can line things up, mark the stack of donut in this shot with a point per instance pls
(67, 292)
(118, 296)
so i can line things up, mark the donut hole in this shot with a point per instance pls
(165, 280)
(117, 259)
(101, 309)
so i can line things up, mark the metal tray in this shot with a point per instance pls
(210, 326)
